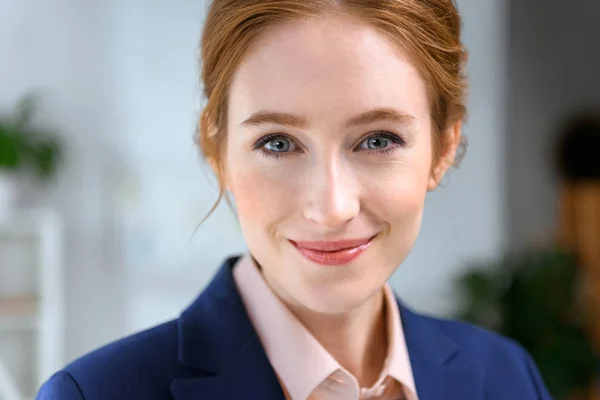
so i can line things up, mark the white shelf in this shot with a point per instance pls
(12, 323)
(20, 314)
(31, 302)
(9, 391)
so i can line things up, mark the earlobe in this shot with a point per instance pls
(432, 184)
(449, 142)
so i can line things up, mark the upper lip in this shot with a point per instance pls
(334, 245)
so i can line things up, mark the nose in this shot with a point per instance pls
(331, 195)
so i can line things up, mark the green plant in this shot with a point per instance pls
(23, 146)
(533, 297)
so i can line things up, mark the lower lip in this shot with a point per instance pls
(340, 257)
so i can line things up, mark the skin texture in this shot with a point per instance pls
(331, 180)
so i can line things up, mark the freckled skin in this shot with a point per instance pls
(328, 70)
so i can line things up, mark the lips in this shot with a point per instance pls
(337, 252)
(332, 246)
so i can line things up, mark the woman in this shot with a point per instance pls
(328, 121)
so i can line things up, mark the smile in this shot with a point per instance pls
(332, 253)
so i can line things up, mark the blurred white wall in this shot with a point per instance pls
(465, 221)
(63, 50)
(119, 79)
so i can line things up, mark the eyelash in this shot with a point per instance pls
(259, 146)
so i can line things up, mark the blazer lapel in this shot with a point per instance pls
(217, 339)
(227, 361)
(438, 372)
(248, 376)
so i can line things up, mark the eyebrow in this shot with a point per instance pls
(297, 121)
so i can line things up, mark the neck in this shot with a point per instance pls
(357, 340)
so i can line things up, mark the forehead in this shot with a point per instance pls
(328, 66)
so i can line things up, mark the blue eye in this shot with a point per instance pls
(275, 145)
(279, 144)
(381, 141)
(376, 143)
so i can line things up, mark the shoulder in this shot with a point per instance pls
(143, 364)
(474, 340)
(503, 360)
(146, 364)
(154, 348)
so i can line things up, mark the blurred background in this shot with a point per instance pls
(101, 186)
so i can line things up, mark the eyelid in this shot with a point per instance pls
(267, 138)
(397, 139)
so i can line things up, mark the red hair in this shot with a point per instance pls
(428, 31)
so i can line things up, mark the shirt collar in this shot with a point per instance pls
(398, 362)
(284, 338)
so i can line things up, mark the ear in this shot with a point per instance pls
(211, 156)
(448, 145)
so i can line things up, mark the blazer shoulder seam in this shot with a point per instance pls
(75, 383)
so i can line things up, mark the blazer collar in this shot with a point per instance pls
(217, 338)
(438, 370)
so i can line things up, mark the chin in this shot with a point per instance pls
(329, 299)
(335, 305)
(333, 289)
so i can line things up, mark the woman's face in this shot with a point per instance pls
(329, 138)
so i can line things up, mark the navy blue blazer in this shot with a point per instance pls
(212, 352)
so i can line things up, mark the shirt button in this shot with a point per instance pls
(376, 391)
(337, 377)
(380, 391)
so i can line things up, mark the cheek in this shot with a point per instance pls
(397, 193)
(400, 196)
(262, 193)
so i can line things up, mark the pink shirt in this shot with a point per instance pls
(305, 369)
